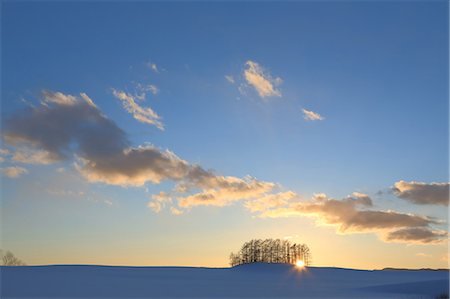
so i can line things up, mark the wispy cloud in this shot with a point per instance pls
(311, 115)
(141, 114)
(159, 201)
(153, 89)
(65, 193)
(58, 98)
(423, 193)
(62, 193)
(155, 206)
(230, 79)
(153, 67)
(4, 153)
(261, 80)
(176, 211)
(221, 191)
(270, 201)
(421, 254)
(144, 88)
(14, 171)
(30, 156)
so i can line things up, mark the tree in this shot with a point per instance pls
(271, 251)
(8, 259)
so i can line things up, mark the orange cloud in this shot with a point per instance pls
(351, 215)
(260, 79)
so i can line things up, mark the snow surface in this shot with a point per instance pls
(246, 281)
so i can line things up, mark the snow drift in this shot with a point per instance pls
(246, 281)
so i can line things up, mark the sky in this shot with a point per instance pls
(151, 133)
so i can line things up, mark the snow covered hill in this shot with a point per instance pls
(246, 281)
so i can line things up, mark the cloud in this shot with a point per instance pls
(14, 171)
(141, 114)
(175, 211)
(348, 216)
(87, 195)
(153, 89)
(88, 100)
(270, 201)
(30, 156)
(230, 79)
(320, 196)
(423, 193)
(66, 193)
(153, 67)
(162, 197)
(76, 129)
(58, 98)
(311, 115)
(221, 191)
(215, 190)
(351, 215)
(159, 201)
(421, 254)
(261, 80)
(103, 154)
(108, 202)
(61, 129)
(3, 154)
(419, 235)
(134, 167)
(143, 89)
(155, 206)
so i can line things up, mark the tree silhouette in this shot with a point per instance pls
(8, 259)
(271, 251)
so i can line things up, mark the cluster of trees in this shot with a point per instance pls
(271, 251)
(9, 259)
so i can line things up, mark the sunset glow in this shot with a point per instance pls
(300, 264)
(171, 132)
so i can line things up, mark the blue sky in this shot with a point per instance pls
(377, 73)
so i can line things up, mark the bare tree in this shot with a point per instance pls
(8, 259)
(271, 251)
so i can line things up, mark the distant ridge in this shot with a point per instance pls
(421, 269)
(281, 265)
(269, 266)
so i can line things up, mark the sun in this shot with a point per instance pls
(300, 264)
